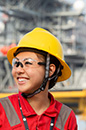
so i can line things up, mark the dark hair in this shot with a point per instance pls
(23, 49)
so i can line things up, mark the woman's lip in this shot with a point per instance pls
(22, 80)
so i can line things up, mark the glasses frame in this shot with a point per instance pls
(19, 62)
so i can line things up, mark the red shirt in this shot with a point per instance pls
(35, 122)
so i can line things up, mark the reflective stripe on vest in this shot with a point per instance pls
(14, 119)
(62, 117)
(10, 111)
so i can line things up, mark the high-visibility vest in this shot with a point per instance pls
(14, 120)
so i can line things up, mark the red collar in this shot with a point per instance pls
(51, 111)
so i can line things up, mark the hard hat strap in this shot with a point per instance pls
(43, 85)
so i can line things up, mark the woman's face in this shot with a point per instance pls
(28, 77)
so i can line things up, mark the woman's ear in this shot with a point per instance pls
(52, 69)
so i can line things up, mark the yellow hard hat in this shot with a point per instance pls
(41, 39)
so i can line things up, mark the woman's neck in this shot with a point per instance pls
(40, 102)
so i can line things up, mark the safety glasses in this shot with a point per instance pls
(27, 62)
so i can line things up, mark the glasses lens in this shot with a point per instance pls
(15, 63)
(29, 62)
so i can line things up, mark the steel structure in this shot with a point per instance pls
(21, 16)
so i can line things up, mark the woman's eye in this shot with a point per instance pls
(16, 63)
(27, 62)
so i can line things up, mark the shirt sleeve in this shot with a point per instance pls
(4, 124)
(72, 122)
(1, 115)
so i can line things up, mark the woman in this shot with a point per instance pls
(37, 64)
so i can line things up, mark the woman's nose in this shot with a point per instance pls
(20, 69)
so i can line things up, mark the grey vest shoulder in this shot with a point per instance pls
(62, 117)
(10, 111)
